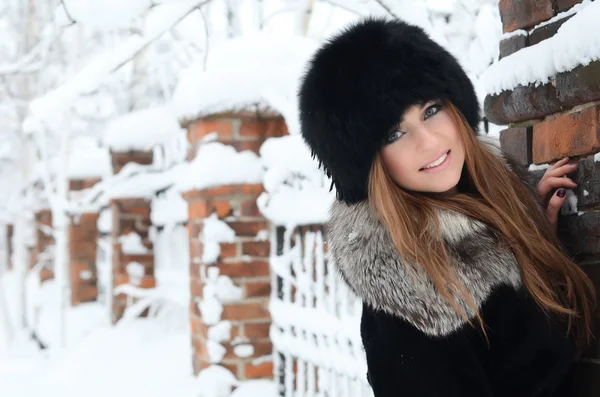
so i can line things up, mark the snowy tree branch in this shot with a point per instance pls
(387, 8)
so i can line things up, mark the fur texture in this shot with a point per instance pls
(359, 84)
(368, 261)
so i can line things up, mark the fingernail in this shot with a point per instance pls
(561, 193)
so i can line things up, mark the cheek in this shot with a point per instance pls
(397, 163)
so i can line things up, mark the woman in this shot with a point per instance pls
(466, 289)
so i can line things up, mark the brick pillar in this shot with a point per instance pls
(83, 235)
(44, 241)
(245, 261)
(130, 216)
(550, 121)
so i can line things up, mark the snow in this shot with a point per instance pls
(216, 351)
(215, 381)
(104, 222)
(536, 167)
(256, 388)
(293, 180)
(518, 32)
(597, 157)
(226, 165)
(577, 42)
(141, 130)
(168, 208)
(161, 18)
(220, 332)
(131, 244)
(215, 231)
(570, 205)
(586, 193)
(106, 14)
(88, 160)
(252, 70)
(243, 350)
(135, 271)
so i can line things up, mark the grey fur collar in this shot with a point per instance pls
(369, 263)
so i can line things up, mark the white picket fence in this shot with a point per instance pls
(315, 320)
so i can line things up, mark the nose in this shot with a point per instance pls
(427, 139)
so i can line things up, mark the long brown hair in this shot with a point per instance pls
(498, 198)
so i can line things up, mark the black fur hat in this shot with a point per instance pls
(359, 84)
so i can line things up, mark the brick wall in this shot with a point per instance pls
(130, 215)
(246, 260)
(550, 121)
(44, 241)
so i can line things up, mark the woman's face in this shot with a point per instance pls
(425, 153)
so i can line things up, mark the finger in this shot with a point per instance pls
(555, 182)
(554, 205)
(556, 165)
(562, 170)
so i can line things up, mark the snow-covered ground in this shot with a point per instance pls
(137, 357)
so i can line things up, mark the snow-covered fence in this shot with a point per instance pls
(315, 319)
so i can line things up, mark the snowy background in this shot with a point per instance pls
(81, 77)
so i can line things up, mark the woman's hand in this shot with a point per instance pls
(555, 178)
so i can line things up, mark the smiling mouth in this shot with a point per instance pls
(437, 162)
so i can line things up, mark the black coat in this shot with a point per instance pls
(417, 345)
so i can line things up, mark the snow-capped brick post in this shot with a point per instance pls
(229, 246)
(546, 88)
(119, 159)
(44, 244)
(243, 130)
(133, 258)
(231, 326)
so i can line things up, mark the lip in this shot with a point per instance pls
(440, 167)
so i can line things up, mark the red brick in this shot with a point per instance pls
(254, 189)
(198, 327)
(198, 209)
(260, 349)
(246, 311)
(202, 128)
(253, 146)
(564, 5)
(579, 86)
(263, 128)
(220, 191)
(521, 14)
(522, 104)
(516, 142)
(256, 248)
(259, 288)
(257, 331)
(512, 44)
(221, 207)
(250, 208)
(545, 32)
(196, 249)
(244, 269)
(262, 370)
(228, 250)
(573, 134)
(247, 228)
(196, 286)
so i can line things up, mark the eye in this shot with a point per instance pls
(394, 136)
(432, 110)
